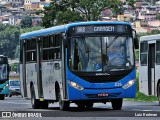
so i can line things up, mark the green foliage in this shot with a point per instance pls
(158, 16)
(50, 15)
(25, 30)
(26, 22)
(142, 97)
(153, 32)
(14, 67)
(9, 38)
(137, 54)
(66, 11)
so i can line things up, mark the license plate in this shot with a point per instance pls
(102, 94)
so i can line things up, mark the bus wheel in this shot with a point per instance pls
(2, 97)
(81, 105)
(34, 102)
(117, 104)
(44, 104)
(89, 105)
(158, 92)
(64, 105)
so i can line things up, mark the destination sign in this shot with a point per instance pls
(121, 29)
(83, 29)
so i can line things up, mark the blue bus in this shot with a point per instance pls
(82, 63)
(4, 77)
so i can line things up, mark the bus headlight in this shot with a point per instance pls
(75, 85)
(129, 84)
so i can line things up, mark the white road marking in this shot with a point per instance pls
(15, 102)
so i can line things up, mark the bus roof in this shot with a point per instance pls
(149, 37)
(62, 28)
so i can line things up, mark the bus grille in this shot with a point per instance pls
(102, 79)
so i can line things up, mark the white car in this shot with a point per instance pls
(14, 87)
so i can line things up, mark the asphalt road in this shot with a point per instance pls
(19, 107)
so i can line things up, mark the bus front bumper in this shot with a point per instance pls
(103, 94)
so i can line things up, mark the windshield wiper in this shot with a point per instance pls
(115, 38)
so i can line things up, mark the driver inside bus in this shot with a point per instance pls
(115, 56)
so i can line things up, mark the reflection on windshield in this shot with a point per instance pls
(3, 71)
(101, 53)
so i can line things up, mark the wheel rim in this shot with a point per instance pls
(59, 99)
(32, 98)
(32, 101)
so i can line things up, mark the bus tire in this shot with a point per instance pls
(117, 104)
(81, 105)
(158, 93)
(64, 105)
(44, 104)
(89, 105)
(2, 97)
(34, 102)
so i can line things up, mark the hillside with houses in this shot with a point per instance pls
(144, 17)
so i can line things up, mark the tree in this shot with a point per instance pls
(158, 16)
(25, 30)
(50, 15)
(9, 39)
(66, 11)
(26, 22)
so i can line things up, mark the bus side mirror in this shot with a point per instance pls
(136, 43)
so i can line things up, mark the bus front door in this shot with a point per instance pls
(39, 69)
(151, 69)
(23, 73)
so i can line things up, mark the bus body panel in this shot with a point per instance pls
(31, 77)
(20, 77)
(143, 79)
(157, 76)
(149, 74)
(92, 89)
(49, 77)
(46, 77)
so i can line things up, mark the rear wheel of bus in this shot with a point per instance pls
(117, 104)
(64, 105)
(34, 101)
(158, 93)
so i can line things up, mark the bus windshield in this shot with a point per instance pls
(3, 71)
(101, 53)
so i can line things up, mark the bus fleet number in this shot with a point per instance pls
(118, 84)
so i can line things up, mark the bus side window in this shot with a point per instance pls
(143, 53)
(45, 48)
(57, 46)
(31, 50)
(158, 52)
